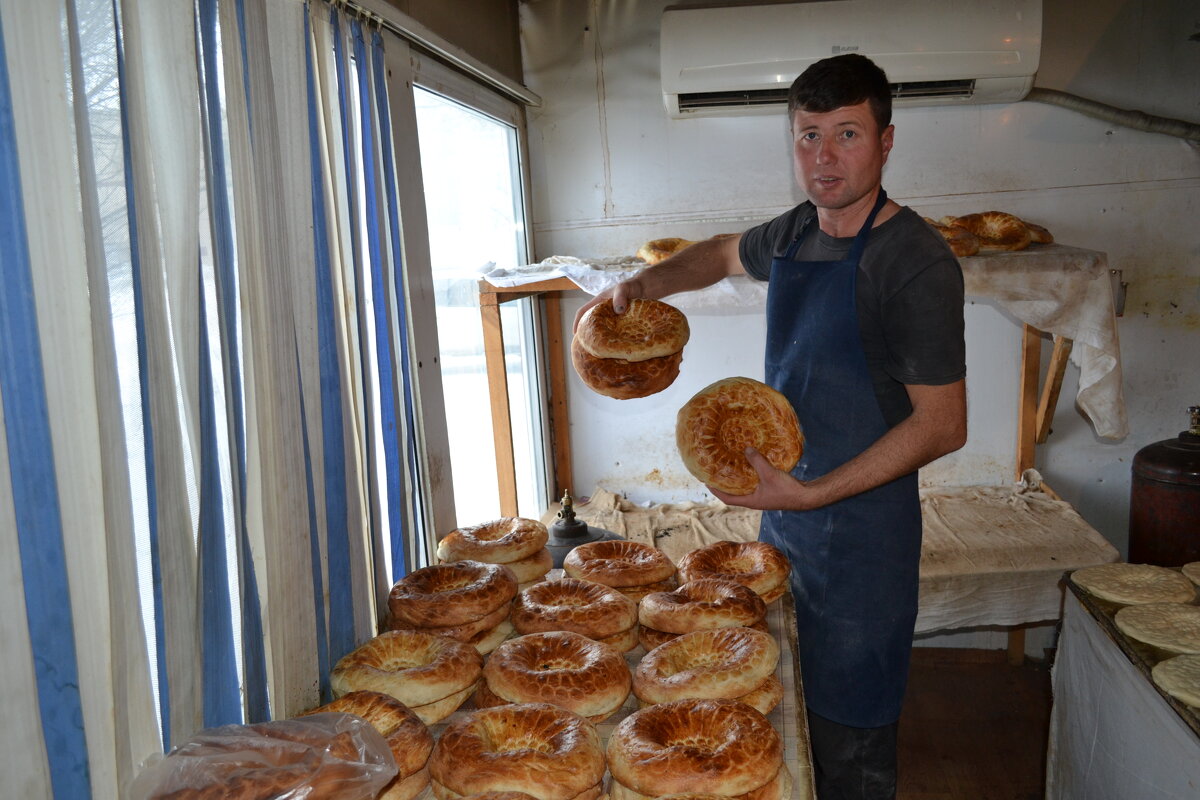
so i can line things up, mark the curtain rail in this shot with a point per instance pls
(381, 12)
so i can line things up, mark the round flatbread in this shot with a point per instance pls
(1180, 678)
(714, 428)
(1192, 572)
(1173, 627)
(1134, 584)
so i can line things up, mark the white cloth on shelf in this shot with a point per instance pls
(1063, 290)
(595, 275)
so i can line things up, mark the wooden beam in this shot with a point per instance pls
(497, 379)
(560, 433)
(1031, 355)
(1052, 387)
(1016, 646)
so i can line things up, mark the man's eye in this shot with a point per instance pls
(810, 136)
(847, 134)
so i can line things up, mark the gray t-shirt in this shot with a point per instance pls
(909, 294)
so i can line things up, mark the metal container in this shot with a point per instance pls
(568, 532)
(1164, 504)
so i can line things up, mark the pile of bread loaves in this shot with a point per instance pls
(534, 670)
(989, 232)
(636, 353)
(529, 706)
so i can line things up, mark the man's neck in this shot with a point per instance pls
(846, 221)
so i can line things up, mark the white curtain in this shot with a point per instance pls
(206, 445)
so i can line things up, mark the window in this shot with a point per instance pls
(471, 171)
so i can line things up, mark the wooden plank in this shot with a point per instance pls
(1016, 646)
(497, 379)
(1053, 386)
(560, 433)
(527, 289)
(1031, 354)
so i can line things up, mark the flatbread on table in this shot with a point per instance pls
(1173, 627)
(1192, 572)
(1180, 678)
(1134, 584)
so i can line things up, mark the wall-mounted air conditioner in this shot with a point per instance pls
(741, 59)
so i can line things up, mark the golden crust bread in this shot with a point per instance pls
(657, 250)
(408, 737)
(465, 632)
(531, 568)
(1038, 234)
(708, 746)
(450, 594)
(562, 668)
(765, 696)
(500, 541)
(486, 641)
(717, 663)
(1134, 584)
(415, 667)
(962, 242)
(570, 604)
(443, 793)
(1171, 627)
(700, 605)
(650, 638)
(438, 710)
(997, 231)
(778, 788)
(536, 748)
(1180, 678)
(646, 329)
(621, 379)
(759, 565)
(714, 428)
(618, 563)
(624, 641)
(636, 593)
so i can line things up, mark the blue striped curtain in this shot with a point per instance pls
(208, 454)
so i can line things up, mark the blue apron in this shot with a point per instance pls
(855, 562)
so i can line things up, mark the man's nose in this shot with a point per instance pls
(825, 153)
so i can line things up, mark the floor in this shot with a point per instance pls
(973, 727)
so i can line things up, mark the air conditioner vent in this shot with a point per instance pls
(753, 97)
(910, 90)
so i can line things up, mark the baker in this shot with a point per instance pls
(865, 339)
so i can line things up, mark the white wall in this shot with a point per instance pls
(610, 170)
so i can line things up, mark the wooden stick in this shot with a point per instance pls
(1052, 386)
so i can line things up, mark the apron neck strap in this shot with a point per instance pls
(860, 239)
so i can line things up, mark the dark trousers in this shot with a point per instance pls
(853, 763)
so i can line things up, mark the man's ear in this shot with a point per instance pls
(886, 140)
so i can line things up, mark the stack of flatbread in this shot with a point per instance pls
(1159, 611)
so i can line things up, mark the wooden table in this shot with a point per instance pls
(1113, 733)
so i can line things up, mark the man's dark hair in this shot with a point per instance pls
(844, 80)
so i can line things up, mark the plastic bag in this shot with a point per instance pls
(330, 756)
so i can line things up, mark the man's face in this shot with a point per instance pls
(839, 155)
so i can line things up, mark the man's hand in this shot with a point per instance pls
(702, 264)
(621, 294)
(777, 490)
(937, 425)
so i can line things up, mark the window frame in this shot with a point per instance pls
(408, 67)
